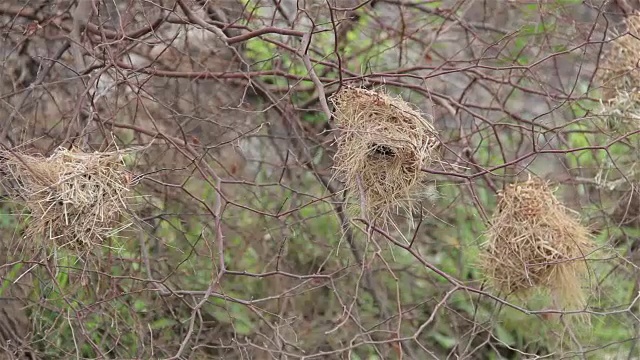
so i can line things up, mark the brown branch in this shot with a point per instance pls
(38, 81)
(32, 14)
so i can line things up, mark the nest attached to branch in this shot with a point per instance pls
(534, 242)
(75, 199)
(383, 146)
(619, 75)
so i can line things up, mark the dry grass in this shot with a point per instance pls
(383, 146)
(75, 199)
(619, 75)
(534, 242)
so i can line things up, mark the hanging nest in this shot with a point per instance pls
(383, 146)
(535, 243)
(619, 76)
(75, 199)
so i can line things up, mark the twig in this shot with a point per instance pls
(39, 80)
(306, 42)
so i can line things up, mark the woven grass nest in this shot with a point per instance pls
(76, 199)
(383, 146)
(619, 76)
(535, 243)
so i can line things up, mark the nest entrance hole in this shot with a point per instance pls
(378, 151)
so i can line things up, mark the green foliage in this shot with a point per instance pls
(67, 301)
(585, 152)
(526, 35)
(11, 276)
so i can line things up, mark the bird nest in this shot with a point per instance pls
(383, 146)
(75, 199)
(534, 242)
(619, 76)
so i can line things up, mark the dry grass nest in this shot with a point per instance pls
(76, 199)
(383, 146)
(534, 242)
(619, 76)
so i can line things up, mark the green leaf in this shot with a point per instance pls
(10, 277)
(163, 323)
(139, 305)
(242, 328)
(505, 336)
(445, 341)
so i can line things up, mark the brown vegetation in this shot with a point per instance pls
(383, 147)
(534, 242)
(75, 199)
